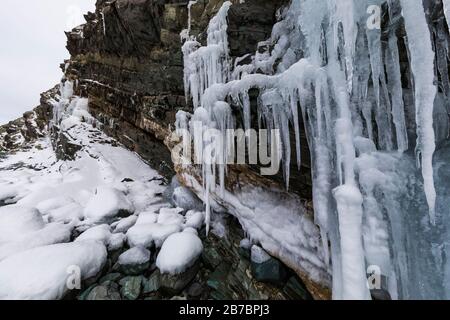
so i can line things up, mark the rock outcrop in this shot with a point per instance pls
(18, 134)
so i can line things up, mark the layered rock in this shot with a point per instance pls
(127, 60)
(18, 134)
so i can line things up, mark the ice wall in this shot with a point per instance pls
(336, 65)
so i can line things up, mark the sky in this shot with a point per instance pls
(32, 46)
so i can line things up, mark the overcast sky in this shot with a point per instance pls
(32, 45)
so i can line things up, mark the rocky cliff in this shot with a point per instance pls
(127, 60)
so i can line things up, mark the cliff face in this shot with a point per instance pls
(127, 60)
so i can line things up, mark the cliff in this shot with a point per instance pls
(127, 60)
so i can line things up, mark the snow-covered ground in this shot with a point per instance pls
(60, 216)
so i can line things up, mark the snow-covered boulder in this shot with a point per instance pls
(135, 261)
(43, 273)
(146, 218)
(125, 224)
(136, 255)
(194, 219)
(179, 252)
(146, 235)
(171, 216)
(15, 221)
(52, 233)
(107, 204)
(102, 233)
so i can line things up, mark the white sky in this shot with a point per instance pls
(32, 45)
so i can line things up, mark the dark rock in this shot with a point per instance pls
(134, 270)
(174, 284)
(84, 294)
(153, 283)
(211, 257)
(110, 277)
(131, 287)
(271, 271)
(380, 294)
(195, 290)
(107, 291)
(295, 290)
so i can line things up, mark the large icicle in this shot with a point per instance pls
(206, 66)
(422, 65)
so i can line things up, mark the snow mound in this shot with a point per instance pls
(103, 234)
(179, 252)
(135, 256)
(43, 273)
(66, 214)
(153, 233)
(146, 218)
(194, 219)
(51, 234)
(171, 216)
(106, 205)
(125, 224)
(16, 221)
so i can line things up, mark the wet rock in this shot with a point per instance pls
(211, 257)
(380, 294)
(107, 291)
(217, 281)
(271, 271)
(153, 283)
(110, 277)
(84, 294)
(131, 287)
(174, 284)
(267, 269)
(195, 290)
(134, 261)
(295, 290)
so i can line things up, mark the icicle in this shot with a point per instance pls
(343, 14)
(206, 66)
(378, 81)
(422, 65)
(395, 84)
(224, 119)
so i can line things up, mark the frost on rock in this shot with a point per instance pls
(179, 252)
(334, 66)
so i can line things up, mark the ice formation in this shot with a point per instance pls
(335, 66)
